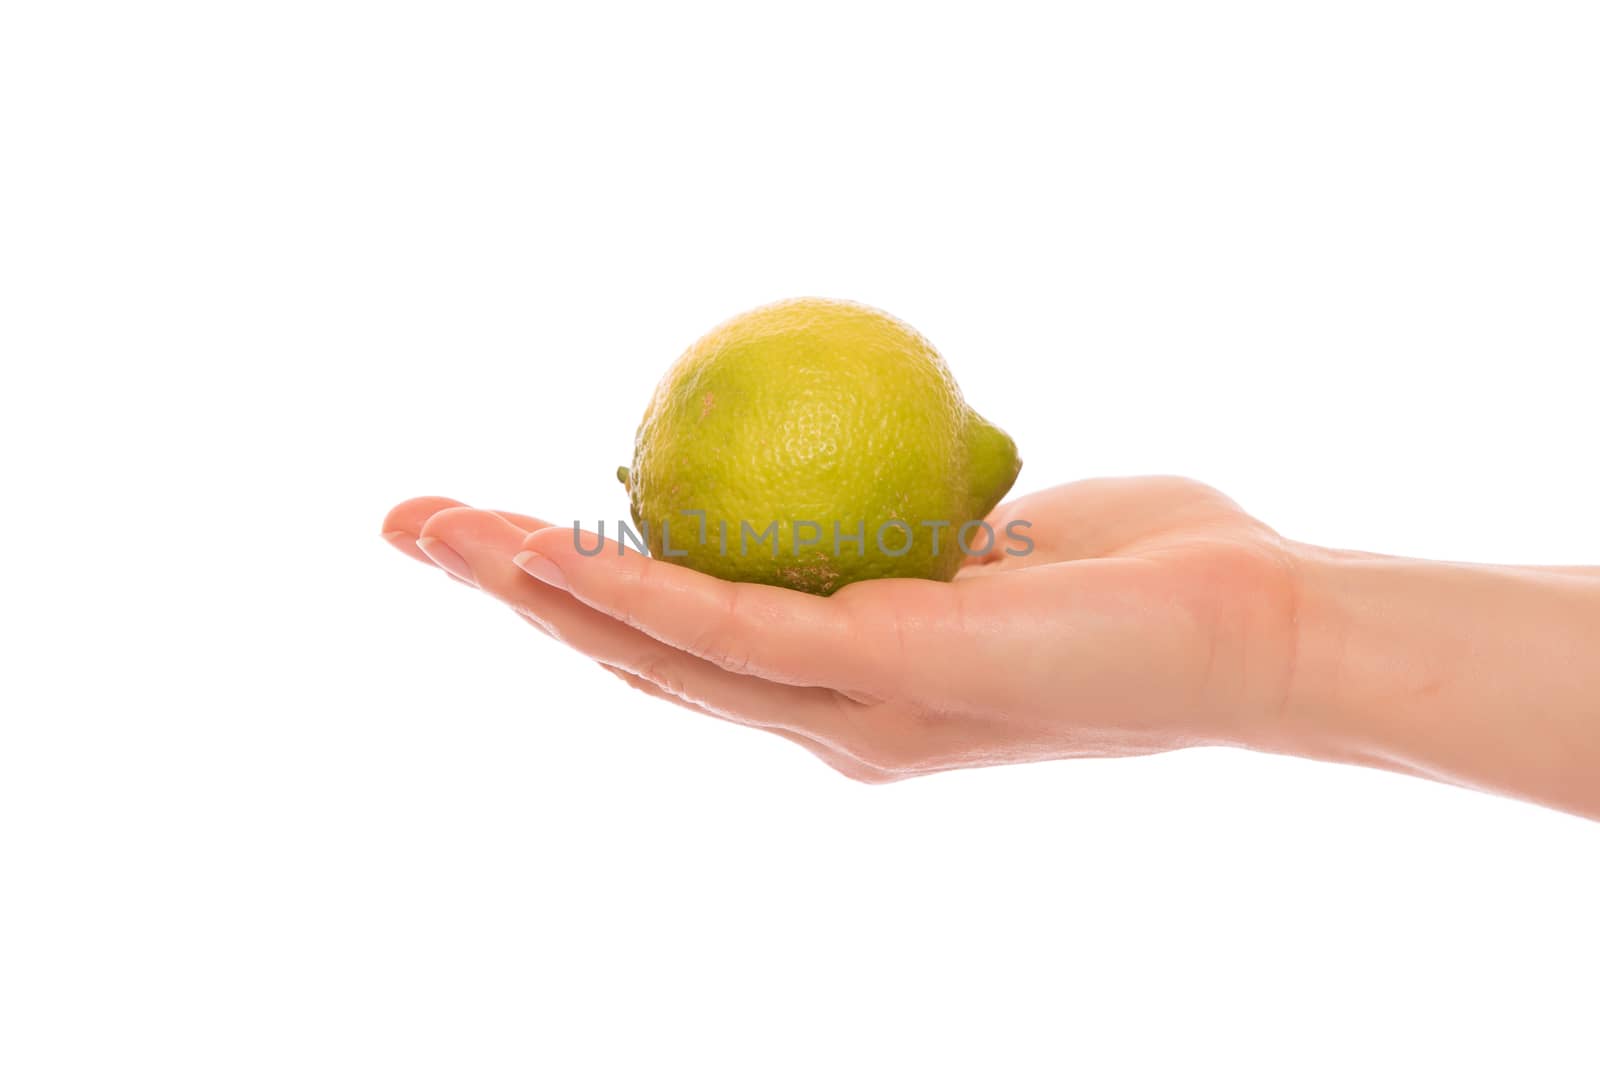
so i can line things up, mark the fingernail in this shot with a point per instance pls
(447, 558)
(541, 567)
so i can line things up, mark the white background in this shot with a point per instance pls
(271, 793)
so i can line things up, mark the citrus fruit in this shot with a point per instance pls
(813, 443)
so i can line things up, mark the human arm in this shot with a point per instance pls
(1154, 614)
(1485, 676)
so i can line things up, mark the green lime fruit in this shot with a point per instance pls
(813, 443)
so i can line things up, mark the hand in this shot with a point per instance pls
(1152, 614)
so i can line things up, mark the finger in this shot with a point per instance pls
(839, 761)
(1006, 541)
(1099, 517)
(902, 642)
(987, 563)
(485, 544)
(403, 525)
(1011, 534)
(848, 642)
(409, 516)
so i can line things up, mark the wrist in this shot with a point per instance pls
(1473, 674)
(1338, 662)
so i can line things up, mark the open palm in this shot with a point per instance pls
(1151, 614)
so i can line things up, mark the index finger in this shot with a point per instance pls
(779, 634)
(403, 525)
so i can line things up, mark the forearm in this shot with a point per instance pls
(1484, 676)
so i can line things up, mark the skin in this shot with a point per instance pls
(1153, 614)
